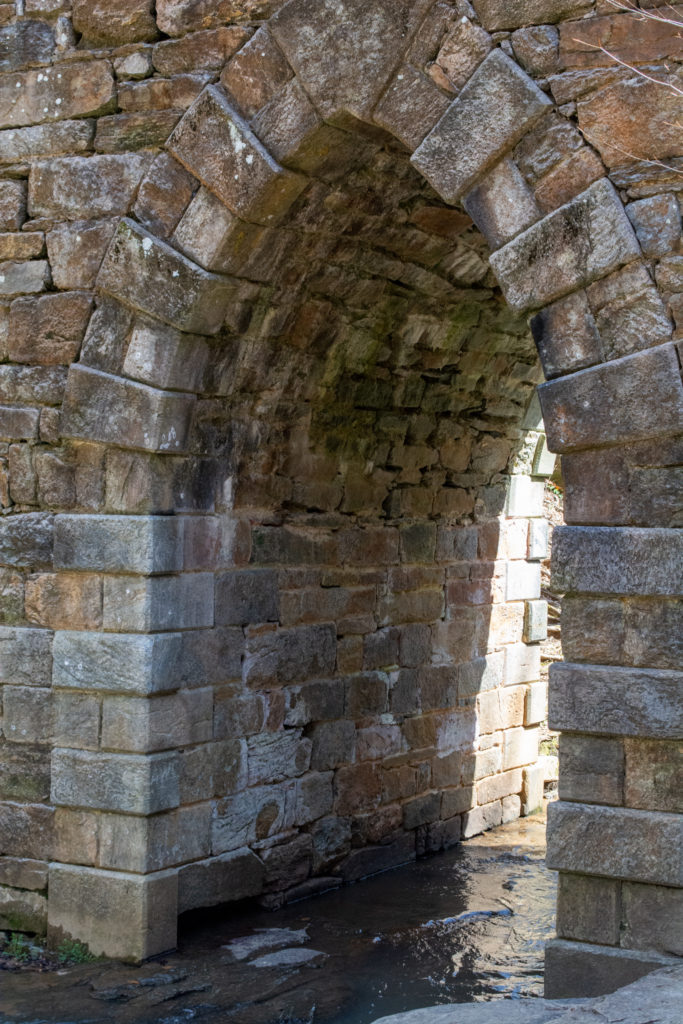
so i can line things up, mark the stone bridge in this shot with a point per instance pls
(272, 461)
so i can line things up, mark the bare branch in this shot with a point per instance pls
(647, 15)
(630, 67)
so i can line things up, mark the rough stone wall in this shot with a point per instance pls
(271, 492)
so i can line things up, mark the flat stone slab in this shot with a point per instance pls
(655, 999)
(265, 938)
(287, 958)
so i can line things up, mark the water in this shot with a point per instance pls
(469, 924)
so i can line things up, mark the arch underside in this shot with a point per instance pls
(281, 543)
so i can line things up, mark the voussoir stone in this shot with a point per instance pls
(574, 245)
(101, 407)
(149, 275)
(219, 148)
(494, 110)
(345, 71)
(75, 90)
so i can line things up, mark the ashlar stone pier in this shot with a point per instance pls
(275, 278)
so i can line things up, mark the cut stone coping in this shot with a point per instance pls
(655, 999)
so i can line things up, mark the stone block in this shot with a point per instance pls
(411, 106)
(580, 970)
(143, 725)
(653, 775)
(76, 720)
(216, 145)
(533, 781)
(491, 114)
(22, 911)
(210, 49)
(23, 278)
(256, 73)
(144, 845)
(151, 604)
(164, 357)
(115, 544)
(25, 656)
(16, 246)
(24, 775)
(535, 621)
(129, 783)
(76, 188)
(26, 540)
(462, 50)
(657, 224)
(19, 873)
(147, 274)
(481, 819)
(498, 786)
(652, 918)
(629, 561)
(42, 140)
(117, 663)
(314, 797)
(26, 43)
(48, 330)
(116, 914)
(621, 701)
(497, 15)
(252, 815)
(522, 581)
(502, 205)
(164, 194)
(314, 702)
(101, 407)
(345, 74)
(290, 655)
(77, 90)
(525, 497)
(273, 757)
(105, 23)
(520, 747)
(588, 909)
(247, 596)
(211, 656)
(357, 788)
(214, 237)
(224, 879)
(589, 237)
(522, 664)
(12, 205)
(18, 423)
(27, 830)
(63, 600)
(629, 312)
(537, 49)
(374, 859)
(567, 336)
(105, 342)
(615, 842)
(76, 250)
(536, 704)
(333, 744)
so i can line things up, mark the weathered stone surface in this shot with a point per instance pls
(652, 918)
(44, 140)
(22, 911)
(613, 402)
(342, 72)
(23, 873)
(586, 239)
(502, 205)
(24, 44)
(491, 114)
(588, 909)
(290, 655)
(657, 223)
(141, 129)
(253, 814)
(76, 90)
(48, 330)
(567, 336)
(653, 775)
(628, 312)
(26, 540)
(141, 544)
(256, 73)
(12, 205)
(98, 406)
(627, 702)
(576, 967)
(247, 596)
(497, 14)
(126, 916)
(166, 358)
(144, 726)
(232, 876)
(215, 238)
(23, 278)
(73, 188)
(592, 769)
(537, 49)
(76, 250)
(210, 49)
(17, 246)
(158, 603)
(164, 194)
(614, 631)
(131, 783)
(614, 841)
(107, 23)
(216, 145)
(24, 778)
(462, 51)
(624, 561)
(176, 17)
(147, 274)
(117, 663)
(410, 107)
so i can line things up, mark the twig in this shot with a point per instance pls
(644, 15)
(630, 67)
(632, 156)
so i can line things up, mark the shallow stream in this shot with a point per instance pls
(468, 924)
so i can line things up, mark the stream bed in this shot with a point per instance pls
(468, 924)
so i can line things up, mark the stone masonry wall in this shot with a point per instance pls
(272, 472)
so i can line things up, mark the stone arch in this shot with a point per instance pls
(299, 102)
